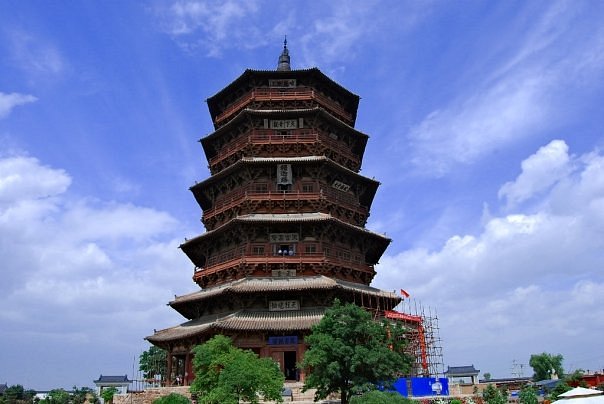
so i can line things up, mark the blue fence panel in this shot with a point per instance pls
(425, 386)
(400, 386)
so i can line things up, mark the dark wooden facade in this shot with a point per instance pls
(285, 210)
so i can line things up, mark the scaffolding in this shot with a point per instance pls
(423, 338)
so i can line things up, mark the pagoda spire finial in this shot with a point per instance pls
(284, 59)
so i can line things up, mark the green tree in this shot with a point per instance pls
(172, 398)
(575, 379)
(225, 374)
(81, 395)
(544, 364)
(487, 376)
(380, 397)
(350, 353)
(560, 388)
(528, 395)
(491, 395)
(153, 362)
(58, 396)
(108, 393)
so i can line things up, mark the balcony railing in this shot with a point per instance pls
(274, 94)
(268, 136)
(234, 257)
(236, 197)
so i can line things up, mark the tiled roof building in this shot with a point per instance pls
(285, 210)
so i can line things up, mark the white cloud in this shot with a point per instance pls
(12, 100)
(211, 26)
(34, 54)
(532, 281)
(525, 94)
(94, 273)
(540, 171)
(24, 178)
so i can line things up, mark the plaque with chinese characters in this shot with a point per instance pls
(283, 305)
(282, 83)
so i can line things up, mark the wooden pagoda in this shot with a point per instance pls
(285, 210)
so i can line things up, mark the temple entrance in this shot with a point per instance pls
(289, 365)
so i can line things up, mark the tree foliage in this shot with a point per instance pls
(491, 395)
(380, 397)
(172, 398)
(560, 388)
(58, 396)
(543, 364)
(349, 353)
(528, 395)
(108, 393)
(17, 394)
(153, 362)
(225, 374)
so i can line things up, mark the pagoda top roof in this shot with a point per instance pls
(214, 101)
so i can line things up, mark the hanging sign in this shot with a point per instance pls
(284, 124)
(284, 237)
(283, 305)
(284, 174)
(283, 340)
(282, 83)
(283, 273)
(341, 186)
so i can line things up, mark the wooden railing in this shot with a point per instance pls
(232, 258)
(273, 94)
(236, 197)
(269, 136)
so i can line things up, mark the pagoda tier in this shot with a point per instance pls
(288, 132)
(318, 185)
(296, 244)
(211, 310)
(271, 89)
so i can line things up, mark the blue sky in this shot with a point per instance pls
(485, 124)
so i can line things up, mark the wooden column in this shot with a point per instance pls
(169, 373)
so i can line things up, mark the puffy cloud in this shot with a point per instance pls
(24, 178)
(12, 100)
(526, 275)
(90, 273)
(540, 171)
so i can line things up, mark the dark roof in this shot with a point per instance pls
(316, 284)
(345, 93)
(461, 371)
(244, 320)
(112, 379)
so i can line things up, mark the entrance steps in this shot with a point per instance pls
(299, 397)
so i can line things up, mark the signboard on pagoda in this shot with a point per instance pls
(284, 237)
(283, 305)
(340, 186)
(282, 83)
(284, 174)
(283, 273)
(283, 124)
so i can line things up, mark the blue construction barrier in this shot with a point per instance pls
(422, 386)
